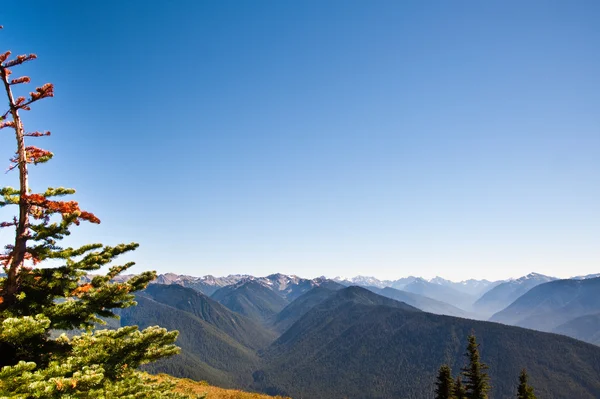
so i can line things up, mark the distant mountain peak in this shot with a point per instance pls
(439, 280)
(535, 276)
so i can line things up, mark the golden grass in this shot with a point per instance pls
(187, 386)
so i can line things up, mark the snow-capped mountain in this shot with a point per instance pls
(365, 281)
(287, 286)
(206, 284)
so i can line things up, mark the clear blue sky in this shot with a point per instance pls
(386, 138)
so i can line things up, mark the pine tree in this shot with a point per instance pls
(444, 384)
(524, 391)
(459, 389)
(476, 379)
(36, 298)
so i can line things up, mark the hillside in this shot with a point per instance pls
(236, 326)
(217, 344)
(357, 345)
(585, 328)
(549, 305)
(252, 299)
(299, 307)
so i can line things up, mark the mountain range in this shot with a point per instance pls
(320, 338)
(262, 298)
(335, 341)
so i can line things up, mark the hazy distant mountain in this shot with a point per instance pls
(435, 289)
(356, 345)
(507, 292)
(547, 306)
(472, 287)
(585, 328)
(420, 302)
(441, 293)
(403, 282)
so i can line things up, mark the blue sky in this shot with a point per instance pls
(386, 138)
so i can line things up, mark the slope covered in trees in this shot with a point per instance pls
(300, 306)
(251, 299)
(238, 327)
(585, 328)
(357, 346)
(218, 345)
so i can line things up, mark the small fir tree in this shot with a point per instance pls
(444, 384)
(459, 389)
(35, 300)
(476, 379)
(525, 391)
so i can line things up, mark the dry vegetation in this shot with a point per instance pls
(187, 386)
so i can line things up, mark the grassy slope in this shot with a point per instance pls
(191, 387)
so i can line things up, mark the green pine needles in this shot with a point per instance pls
(36, 299)
(524, 391)
(476, 383)
(444, 386)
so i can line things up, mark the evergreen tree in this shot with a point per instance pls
(36, 298)
(444, 384)
(525, 391)
(459, 389)
(476, 379)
